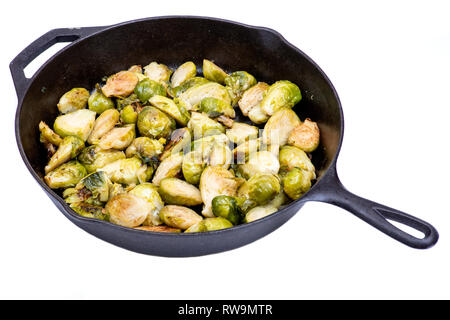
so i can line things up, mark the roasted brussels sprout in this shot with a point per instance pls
(68, 149)
(94, 158)
(226, 207)
(73, 100)
(220, 155)
(98, 184)
(129, 114)
(193, 167)
(128, 210)
(177, 91)
(121, 84)
(216, 181)
(48, 135)
(279, 127)
(150, 193)
(78, 123)
(191, 98)
(104, 123)
(260, 189)
(282, 94)
(179, 192)
(252, 98)
(145, 148)
(214, 107)
(296, 182)
(158, 229)
(128, 171)
(158, 72)
(244, 150)
(210, 224)
(237, 83)
(179, 217)
(168, 168)
(201, 125)
(118, 138)
(241, 132)
(305, 136)
(261, 162)
(66, 175)
(180, 140)
(98, 102)
(168, 106)
(259, 212)
(184, 72)
(154, 123)
(90, 211)
(212, 72)
(204, 145)
(293, 157)
(148, 88)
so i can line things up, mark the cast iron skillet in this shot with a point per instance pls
(98, 51)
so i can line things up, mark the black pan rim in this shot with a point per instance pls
(75, 216)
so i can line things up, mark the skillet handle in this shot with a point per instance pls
(332, 191)
(39, 46)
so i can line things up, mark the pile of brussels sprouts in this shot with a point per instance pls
(158, 150)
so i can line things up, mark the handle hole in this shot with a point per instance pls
(409, 230)
(36, 63)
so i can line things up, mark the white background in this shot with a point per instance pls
(390, 64)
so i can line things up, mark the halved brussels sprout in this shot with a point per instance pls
(158, 72)
(184, 72)
(216, 181)
(179, 141)
(154, 123)
(191, 98)
(244, 150)
(168, 106)
(121, 84)
(179, 192)
(252, 97)
(94, 158)
(220, 156)
(68, 149)
(66, 175)
(226, 207)
(118, 138)
(158, 229)
(242, 132)
(193, 167)
(150, 193)
(201, 125)
(214, 107)
(127, 171)
(237, 83)
(145, 148)
(261, 162)
(104, 123)
(258, 213)
(257, 115)
(78, 123)
(279, 126)
(90, 211)
(48, 135)
(282, 94)
(205, 144)
(73, 100)
(260, 189)
(127, 210)
(148, 88)
(129, 114)
(210, 224)
(296, 182)
(168, 168)
(291, 157)
(98, 184)
(212, 72)
(179, 217)
(98, 102)
(305, 136)
(177, 91)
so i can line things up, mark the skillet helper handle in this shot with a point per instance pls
(376, 214)
(37, 47)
